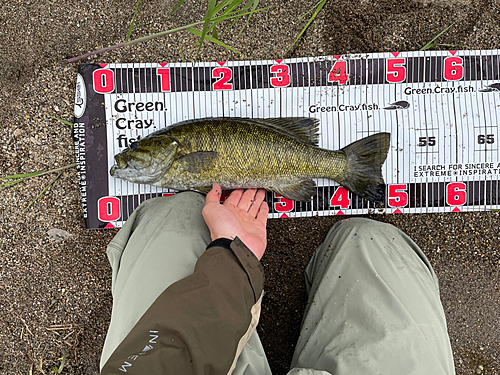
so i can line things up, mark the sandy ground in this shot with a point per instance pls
(45, 283)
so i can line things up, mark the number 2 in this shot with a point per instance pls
(224, 75)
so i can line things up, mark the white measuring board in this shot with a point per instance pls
(441, 108)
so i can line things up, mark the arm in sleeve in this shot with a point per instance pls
(199, 324)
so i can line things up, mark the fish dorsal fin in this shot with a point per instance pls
(304, 129)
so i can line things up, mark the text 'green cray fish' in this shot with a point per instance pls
(277, 154)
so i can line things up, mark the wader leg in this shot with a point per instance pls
(373, 306)
(159, 244)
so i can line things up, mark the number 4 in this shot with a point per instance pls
(338, 73)
(340, 198)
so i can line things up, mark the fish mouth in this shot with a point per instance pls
(120, 164)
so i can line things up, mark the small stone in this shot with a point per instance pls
(58, 235)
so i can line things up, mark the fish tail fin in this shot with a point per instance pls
(363, 174)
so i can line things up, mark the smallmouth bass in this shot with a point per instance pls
(277, 154)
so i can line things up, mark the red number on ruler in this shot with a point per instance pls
(164, 74)
(340, 198)
(338, 73)
(224, 75)
(398, 197)
(282, 78)
(108, 209)
(284, 204)
(104, 81)
(453, 68)
(396, 71)
(456, 194)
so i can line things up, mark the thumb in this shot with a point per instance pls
(213, 195)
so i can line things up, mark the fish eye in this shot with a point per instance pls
(133, 146)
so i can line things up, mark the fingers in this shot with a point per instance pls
(255, 206)
(247, 199)
(263, 212)
(234, 197)
(213, 195)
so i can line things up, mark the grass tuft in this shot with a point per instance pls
(431, 44)
(57, 370)
(216, 13)
(317, 8)
(17, 178)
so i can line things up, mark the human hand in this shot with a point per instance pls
(243, 214)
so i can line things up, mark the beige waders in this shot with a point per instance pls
(145, 259)
(373, 306)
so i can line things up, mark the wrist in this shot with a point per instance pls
(221, 242)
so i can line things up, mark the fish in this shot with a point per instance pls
(278, 154)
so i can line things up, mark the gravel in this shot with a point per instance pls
(55, 289)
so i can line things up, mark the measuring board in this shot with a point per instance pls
(441, 108)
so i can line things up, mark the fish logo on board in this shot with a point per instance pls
(495, 87)
(402, 104)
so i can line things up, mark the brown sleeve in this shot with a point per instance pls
(199, 324)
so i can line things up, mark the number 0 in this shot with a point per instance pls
(108, 209)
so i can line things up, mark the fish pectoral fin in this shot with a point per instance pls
(198, 161)
(300, 191)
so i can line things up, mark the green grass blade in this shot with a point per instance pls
(213, 40)
(131, 27)
(207, 19)
(43, 191)
(309, 11)
(61, 120)
(63, 362)
(34, 174)
(319, 6)
(254, 6)
(231, 5)
(10, 183)
(24, 175)
(251, 4)
(177, 6)
(448, 45)
(221, 6)
(430, 44)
